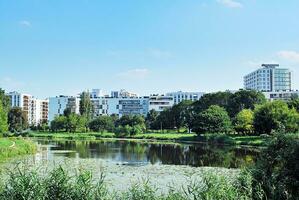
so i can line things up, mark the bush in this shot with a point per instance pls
(277, 169)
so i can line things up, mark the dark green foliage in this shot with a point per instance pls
(151, 120)
(5, 100)
(274, 116)
(244, 99)
(101, 124)
(219, 98)
(86, 107)
(213, 120)
(17, 120)
(3, 119)
(277, 170)
(294, 103)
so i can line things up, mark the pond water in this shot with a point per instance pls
(127, 162)
(138, 153)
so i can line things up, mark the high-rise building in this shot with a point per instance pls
(180, 96)
(269, 78)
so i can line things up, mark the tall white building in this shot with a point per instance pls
(58, 104)
(269, 78)
(36, 110)
(160, 102)
(180, 96)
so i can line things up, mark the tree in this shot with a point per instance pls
(244, 99)
(274, 116)
(151, 119)
(3, 119)
(244, 121)
(180, 113)
(67, 112)
(59, 123)
(212, 120)
(86, 107)
(5, 100)
(219, 98)
(294, 103)
(17, 120)
(101, 124)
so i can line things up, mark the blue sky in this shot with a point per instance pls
(52, 47)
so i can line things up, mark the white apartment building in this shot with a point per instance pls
(160, 102)
(269, 78)
(36, 110)
(120, 106)
(58, 104)
(180, 96)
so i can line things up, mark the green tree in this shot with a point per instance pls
(215, 119)
(101, 124)
(294, 103)
(3, 119)
(244, 99)
(59, 123)
(276, 171)
(86, 107)
(244, 121)
(219, 98)
(17, 120)
(5, 100)
(273, 116)
(151, 120)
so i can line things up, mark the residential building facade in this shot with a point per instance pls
(180, 96)
(58, 104)
(160, 102)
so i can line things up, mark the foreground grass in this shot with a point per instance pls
(12, 147)
(174, 137)
(60, 184)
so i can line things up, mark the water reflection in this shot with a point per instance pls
(137, 153)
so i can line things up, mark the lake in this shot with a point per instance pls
(126, 162)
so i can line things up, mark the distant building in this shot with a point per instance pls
(120, 106)
(57, 105)
(36, 110)
(160, 102)
(180, 96)
(282, 95)
(123, 94)
(269, 78)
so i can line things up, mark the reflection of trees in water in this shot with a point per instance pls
(194, 155)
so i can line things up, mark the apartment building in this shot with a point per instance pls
(180, 96)
(160, 102)
(58, 104)
(269, 78)
(36, 110)
(120, 106)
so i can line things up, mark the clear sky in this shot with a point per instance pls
(52, 47)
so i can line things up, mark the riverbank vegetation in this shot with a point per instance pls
(274, 176)
(12, 147)
(225, 115)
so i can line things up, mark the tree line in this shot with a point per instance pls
(242, 112)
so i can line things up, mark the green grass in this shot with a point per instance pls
(170, 136)
(12, 147)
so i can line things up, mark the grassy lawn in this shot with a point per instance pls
(12, 147)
